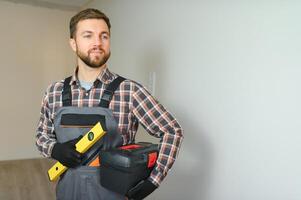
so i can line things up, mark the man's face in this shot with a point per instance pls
(92, 42)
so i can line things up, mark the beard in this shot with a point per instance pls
(97, 62)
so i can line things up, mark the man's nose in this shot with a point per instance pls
(97, 41)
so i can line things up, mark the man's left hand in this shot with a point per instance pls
(141, 190)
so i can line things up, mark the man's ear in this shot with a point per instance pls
(72, 44)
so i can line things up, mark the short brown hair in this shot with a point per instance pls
(89, 13)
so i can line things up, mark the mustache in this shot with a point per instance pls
(96, 49)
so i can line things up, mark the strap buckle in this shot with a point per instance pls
(107, 95)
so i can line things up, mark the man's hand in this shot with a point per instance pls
(66, 154)
(141, 190)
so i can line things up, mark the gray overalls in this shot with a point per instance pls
(83, 182)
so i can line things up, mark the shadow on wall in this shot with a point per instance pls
(190, 176)
(151, 59)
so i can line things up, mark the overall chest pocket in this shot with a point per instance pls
(71, 120)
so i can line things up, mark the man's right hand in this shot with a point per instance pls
(66, 154)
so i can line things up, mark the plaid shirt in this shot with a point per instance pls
(131, 104)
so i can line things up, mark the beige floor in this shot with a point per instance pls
(26, 180)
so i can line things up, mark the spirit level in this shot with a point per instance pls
(82, 146)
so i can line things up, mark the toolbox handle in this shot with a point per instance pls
(131, 146)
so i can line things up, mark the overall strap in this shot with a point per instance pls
(66, 93)
(109, 92)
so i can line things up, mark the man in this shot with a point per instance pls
(71, 106)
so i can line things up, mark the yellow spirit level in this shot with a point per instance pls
(82, 146)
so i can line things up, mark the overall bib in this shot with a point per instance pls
(83, 182)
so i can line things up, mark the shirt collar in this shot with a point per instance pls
(106, 76)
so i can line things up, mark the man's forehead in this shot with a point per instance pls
(92, 25)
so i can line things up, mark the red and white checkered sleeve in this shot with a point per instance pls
(159, 123)
(45, 139)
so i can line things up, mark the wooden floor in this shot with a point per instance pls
(26, 180)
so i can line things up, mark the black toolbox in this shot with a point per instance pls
(122, 168)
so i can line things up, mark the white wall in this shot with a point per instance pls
(230, 72)
(34, 52)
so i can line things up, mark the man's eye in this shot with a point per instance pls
(87, 36)
(105, 37)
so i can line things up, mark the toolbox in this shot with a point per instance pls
(122, 168)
